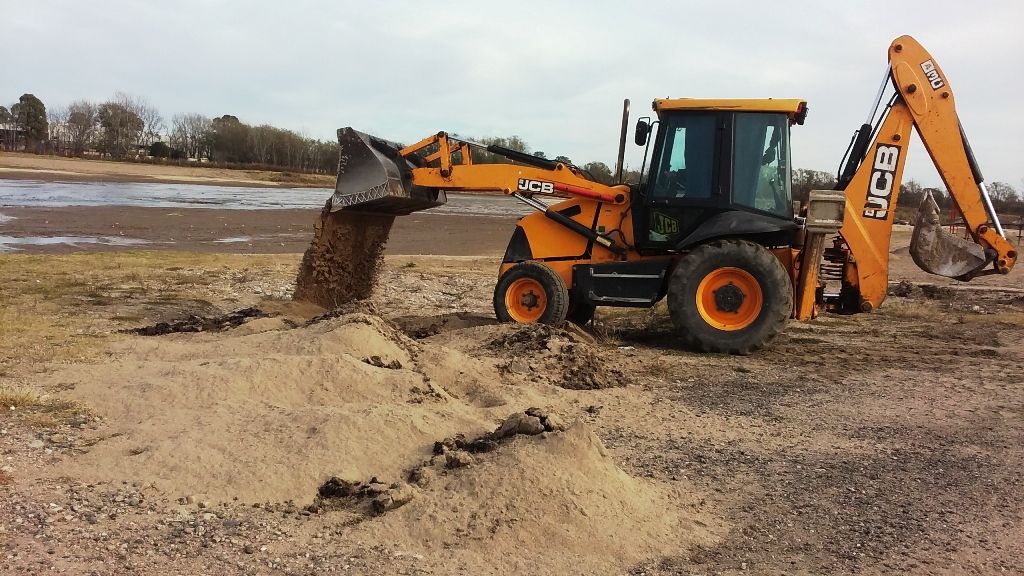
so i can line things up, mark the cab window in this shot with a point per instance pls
(761, 167)
(686, 163)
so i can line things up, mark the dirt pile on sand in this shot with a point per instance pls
(194, 323)
(342, 262)
(550, 498)
(538, 350)
(268, 415)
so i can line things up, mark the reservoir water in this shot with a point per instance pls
(33, 193)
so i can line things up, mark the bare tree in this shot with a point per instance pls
(261, 143)
(11, 126)
(191, 134)
(6, 131)
(152, 122)
(57, 121)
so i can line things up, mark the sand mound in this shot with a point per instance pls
(541, 349)
(342, 262)
(550, 498)
(269, 414)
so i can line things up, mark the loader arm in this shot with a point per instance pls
(924, 101)
(532, 176)
(375, 172)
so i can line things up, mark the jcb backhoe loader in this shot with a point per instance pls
(712, 225)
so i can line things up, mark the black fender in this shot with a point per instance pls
(765, 230)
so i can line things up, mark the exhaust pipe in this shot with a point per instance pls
(622, 141)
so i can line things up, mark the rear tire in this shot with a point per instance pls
(729, 296)
(531, 292)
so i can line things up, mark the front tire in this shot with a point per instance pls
(531, 292)
(729, 296)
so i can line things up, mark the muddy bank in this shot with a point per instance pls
(242, 231)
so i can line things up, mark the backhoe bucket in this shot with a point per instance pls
(374, 177)
(938, 252)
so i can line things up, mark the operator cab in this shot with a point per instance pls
(719, 167)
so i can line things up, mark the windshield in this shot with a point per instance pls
(761, 177)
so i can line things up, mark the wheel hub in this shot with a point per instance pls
(529, 300)
(729, 298)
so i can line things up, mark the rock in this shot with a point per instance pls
(57, 438)
(537, 413)
(35, 444)
(401, 495)
(376, 488)
(8, 469)
(248, 549)
(555, 424)
(209, 517)
(204, 504)
(230, 523)
(580, 333)
(458, 459)
(519, 423)
(338, 488)
(133, 501)
(519, 366)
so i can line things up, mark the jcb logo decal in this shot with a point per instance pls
(665, 225)
(883, 176)
(536, 186)
(932, 74)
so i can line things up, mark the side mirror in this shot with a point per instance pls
(643, 131)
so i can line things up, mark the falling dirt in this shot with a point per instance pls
(342, 262)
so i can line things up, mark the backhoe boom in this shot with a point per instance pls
(923, 101)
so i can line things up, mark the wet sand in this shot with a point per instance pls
(243, 231)
(21, 166)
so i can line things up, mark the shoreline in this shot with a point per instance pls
(21, 166)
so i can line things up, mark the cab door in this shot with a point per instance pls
(688, 181)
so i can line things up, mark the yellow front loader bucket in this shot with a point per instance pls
(374, 177)
(938, 252)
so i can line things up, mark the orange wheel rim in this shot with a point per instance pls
(729, 299)
(526, 300)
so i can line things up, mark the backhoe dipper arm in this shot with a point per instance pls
(925, 101)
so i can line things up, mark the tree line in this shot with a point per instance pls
(1005, 198)
(129, 128)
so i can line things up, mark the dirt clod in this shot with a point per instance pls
(519, 423)
(905, 290)
(458, 459)
(199, 323)
(342, 262)
(379, 363)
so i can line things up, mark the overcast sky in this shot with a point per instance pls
(554, 73)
